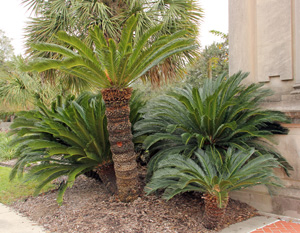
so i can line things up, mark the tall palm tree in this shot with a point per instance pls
(113, 66)
(77, 16)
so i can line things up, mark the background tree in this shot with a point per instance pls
(6, 49)
(19, 90)
(212, 61)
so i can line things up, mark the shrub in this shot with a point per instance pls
(69, 140)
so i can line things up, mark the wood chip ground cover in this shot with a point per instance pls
(88, 207)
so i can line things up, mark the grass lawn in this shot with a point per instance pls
(16, 189)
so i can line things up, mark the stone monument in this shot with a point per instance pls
(264, 39)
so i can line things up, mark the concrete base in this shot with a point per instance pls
(286, 203)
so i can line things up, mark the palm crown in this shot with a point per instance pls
(108, 63)
(77, 16)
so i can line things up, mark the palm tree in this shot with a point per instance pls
(214, 174)
(76, 17)
(113, 66)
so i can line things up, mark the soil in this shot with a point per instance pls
(88, 207)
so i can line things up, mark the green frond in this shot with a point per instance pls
(64, 141)
(46, 47)
(79, 45)
(68, 139)
(127, 34)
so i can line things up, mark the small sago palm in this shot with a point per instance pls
(215, 175)
(221, 113)
(113, 66)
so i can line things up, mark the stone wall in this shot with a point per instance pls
(264, 39)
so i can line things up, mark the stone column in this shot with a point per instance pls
(242, 37)
(296, 30)
(274, 39)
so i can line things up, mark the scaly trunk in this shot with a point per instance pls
(120, 138)
(106, 173)
(213, 215)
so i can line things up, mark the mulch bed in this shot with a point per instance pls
(88, 207)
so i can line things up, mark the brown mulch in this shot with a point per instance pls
(88, 207)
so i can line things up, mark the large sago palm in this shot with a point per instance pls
(221, 113)
(113, 66)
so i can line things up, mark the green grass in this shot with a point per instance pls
(6, 152)
(11, 191)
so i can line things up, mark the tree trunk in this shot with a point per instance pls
(213, 215)
(120, 138)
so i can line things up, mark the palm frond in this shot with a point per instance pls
(78, 17)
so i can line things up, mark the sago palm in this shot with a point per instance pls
(69, 136)
(113, 66)
(67, 140)
(221, 113)
(214, 174)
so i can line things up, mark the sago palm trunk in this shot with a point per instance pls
(120, 138)
(213, 215)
